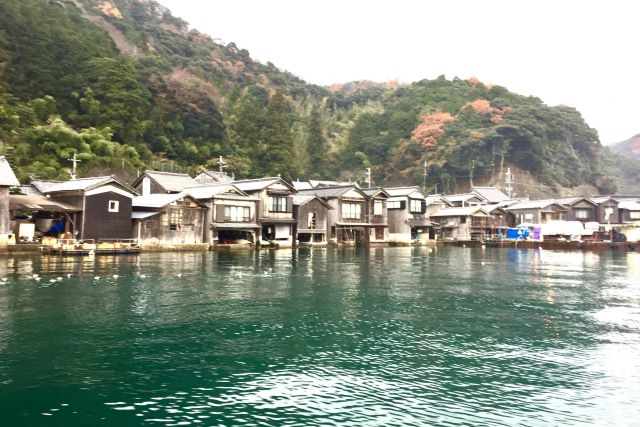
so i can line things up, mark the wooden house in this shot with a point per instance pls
(156, 182)
(629, 211)
(103, 206)
(580, 209)
(213, 178)
(408, 219)
(462, 200)
(489, 195)
(606, 210)
(348, 219)
(501, 218)
(464, 223)
(7, 179)
(275, 208)
(231, 216)
(311, 227)
(537, 212)
(378, 215)
(168, 219)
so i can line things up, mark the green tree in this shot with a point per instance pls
(317, 146)
(277, 156)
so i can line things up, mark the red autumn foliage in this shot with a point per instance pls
(431, 128)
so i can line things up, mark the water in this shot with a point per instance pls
(396, 336)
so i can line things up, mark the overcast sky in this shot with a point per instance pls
(585, 54)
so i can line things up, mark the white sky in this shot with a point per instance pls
(585, 54)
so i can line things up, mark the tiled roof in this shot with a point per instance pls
(490, 194)
(172, 182)
(218, 176)
(403, 191)
(329, 192)
(79, 184)
(464, 211)
(256, 184)
(42, 185)
(301, 199)
(210, 191)
(7, 177)
(533, 204)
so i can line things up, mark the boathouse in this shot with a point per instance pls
(7, 179)
(408, 221)
(580, 209)
(464, 223)
(103, 206)
(168, 219)
(377, 215)
(311, 227)
(537, 212)
(275, 208)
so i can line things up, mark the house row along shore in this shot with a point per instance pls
(163, 210)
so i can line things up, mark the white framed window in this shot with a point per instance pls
(277, 204)
(114, 206)
(236, 214)
(581, 213)
(351, 211)
(395, 204)
(634, 214)
(377, 207)
(415, 206)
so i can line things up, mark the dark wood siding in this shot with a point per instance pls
(99, 223)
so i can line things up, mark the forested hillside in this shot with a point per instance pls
(125, 85)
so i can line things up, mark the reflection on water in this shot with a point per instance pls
(395, 336)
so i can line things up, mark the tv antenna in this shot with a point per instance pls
(508, 182)
(75, 162)
(221, 164)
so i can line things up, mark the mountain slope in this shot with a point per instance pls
(126, 85)
(629, 147)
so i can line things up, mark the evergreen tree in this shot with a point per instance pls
(277, 157)
(317, 147)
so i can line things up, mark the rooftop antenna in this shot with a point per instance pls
(369, 177)
(221, 164)
(75, 162)
(508, 181)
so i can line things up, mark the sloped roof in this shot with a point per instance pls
(372, 192)
(435, 198)
(302, 185)
(218, 176)
(301, 199)
(7, 177)
(260, 183)
(461, 197)
(79, 184)
(534, 204)
(325, 183)
(569, 201)
(460, 211)
(330, 192)
(404, 191)
(157, 200)
(213, 190)
(490, 194)
(632, 205)
(42, 185)
(169, 181)
(38, 203)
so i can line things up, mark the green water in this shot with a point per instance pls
(396, 336)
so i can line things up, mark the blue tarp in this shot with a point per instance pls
(517, 233)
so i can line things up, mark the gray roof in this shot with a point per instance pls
(38, 203)
(42, 185)
(372, 192)
(170, 181)
(218, 176)
(79, 184)
(301, 199)
(216, 190)
(7, 177)
(490, 194)
(329, 192)
(403, 191)
(259, 183)
(302, 185)
(461, 197)
(157, 200)
(533, 204)
(568, 201)
(632, 205)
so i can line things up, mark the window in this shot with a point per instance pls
(395, 204)
(236, 214)
(311, 221)
(277, 204)
(377, 207)
(148, 225)
(114, 206)
(634, 214)
(415, 206)
(582, 213)
(351, 211)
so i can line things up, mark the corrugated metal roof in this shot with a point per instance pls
(156, 200)
(7, 177)
(170, 181)
(78, 184)
(490, 194)
(38, 203)
(143, 215)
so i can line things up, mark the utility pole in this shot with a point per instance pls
(473, 166)
(368, 177)
(75, 162)
(508, 181)
(222, 164)
(424, 176)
